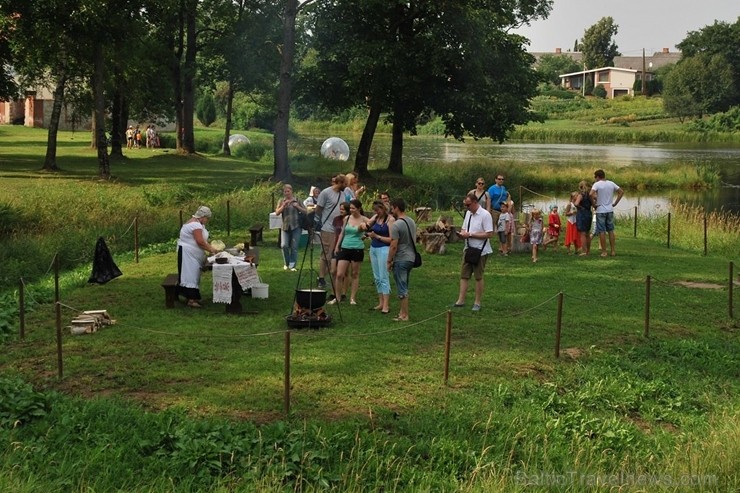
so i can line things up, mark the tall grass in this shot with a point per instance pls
(687, 229)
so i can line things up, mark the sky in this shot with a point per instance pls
(649, 24)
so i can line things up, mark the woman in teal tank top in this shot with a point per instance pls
(351, 250)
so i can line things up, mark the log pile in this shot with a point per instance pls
(90, 321)
(435, 237)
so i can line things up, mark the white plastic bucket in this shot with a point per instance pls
(260, 290)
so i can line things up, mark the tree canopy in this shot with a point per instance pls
(551, 66)
(698, 85)
(458, 61)
(597, 44)
(720, 38)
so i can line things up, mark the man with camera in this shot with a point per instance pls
(327, 208)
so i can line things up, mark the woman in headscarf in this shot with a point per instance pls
(190, 255)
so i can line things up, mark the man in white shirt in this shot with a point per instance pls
(477, 230)
(602, 196)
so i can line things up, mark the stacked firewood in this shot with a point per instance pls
(435, 237)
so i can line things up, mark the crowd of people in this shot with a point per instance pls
(341, 228)
(135, 138)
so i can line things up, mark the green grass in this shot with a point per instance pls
(192, 400)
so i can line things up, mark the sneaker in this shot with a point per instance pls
(321, 283)
(476, 307)
(285, 267)
(293, 269)
(332, 302)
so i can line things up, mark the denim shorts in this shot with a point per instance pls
(401, 271)
(604, 222)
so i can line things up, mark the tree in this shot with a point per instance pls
(8, 87)
(206, 109)
(281, 169)
(597, 45)
(458, 60)
(721, 38)
(49, 50)
(549, 67)
(698, 85)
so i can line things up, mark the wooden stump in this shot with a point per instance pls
(434, 242)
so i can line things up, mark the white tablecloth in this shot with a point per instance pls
(246, 274)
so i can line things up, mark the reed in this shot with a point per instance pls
(687, 229)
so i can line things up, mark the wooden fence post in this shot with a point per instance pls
(647, 306)
(448, 337)
(635, 233)
(58, 306)
(559, 324)
(732, 283)
(22, 307)
(669, 230)
(136, 239)
(286, 392)
(705, 233)
(228, 218)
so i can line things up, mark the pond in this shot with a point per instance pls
(725, 157)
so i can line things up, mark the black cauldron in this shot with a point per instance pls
(310, 299)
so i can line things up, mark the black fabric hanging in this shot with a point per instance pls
(104, 268)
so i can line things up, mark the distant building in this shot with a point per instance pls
(617, 80)
(35, 111)
(652, 62)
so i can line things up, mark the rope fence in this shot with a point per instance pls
(448, 314)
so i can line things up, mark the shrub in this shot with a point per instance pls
(729, 121)
(599, 91)
(19, 403)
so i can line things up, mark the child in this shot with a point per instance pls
(535, 232)
(571, 232)
(503, 226)
(553, 227)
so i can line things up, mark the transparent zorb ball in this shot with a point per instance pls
(237, 140)
(335, 148)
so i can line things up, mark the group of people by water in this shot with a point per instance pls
(341, 227)
(135, 138)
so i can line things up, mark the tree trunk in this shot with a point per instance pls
(117, 124)
(176, 75)
(366, 141)
(281, 171)
(50, 162)
(188, 88)
(395, 164)
(93, 135)
(229, 107)
(99, 102)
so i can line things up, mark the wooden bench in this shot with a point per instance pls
(256, 231)
(170, 290)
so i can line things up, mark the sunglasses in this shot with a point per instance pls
(480, 183)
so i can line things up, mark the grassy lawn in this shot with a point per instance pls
(192, 400)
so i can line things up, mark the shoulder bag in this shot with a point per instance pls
(417, 255)
(472, 255)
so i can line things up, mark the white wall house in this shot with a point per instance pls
(616, 81)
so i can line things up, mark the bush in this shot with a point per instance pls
(729, 121)
(19, 403)
(599, 91)
(206, 109)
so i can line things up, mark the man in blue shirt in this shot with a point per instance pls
(498, 194)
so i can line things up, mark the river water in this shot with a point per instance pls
(431, 150)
